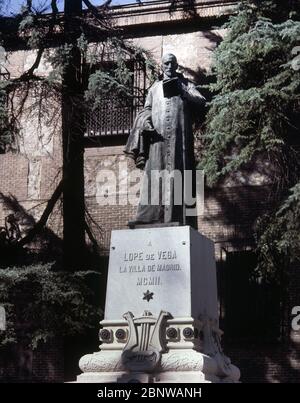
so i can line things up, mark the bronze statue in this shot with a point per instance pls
(162, 140)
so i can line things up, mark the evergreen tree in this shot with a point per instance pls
(255, 116)
(63, 39)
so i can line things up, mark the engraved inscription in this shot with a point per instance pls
(140, 256)
(130, 257)
(167, 255)
(149, 280)
(137, 269)
(168, 267)
(149, 265)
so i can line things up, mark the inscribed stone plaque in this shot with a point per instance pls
(159, 269)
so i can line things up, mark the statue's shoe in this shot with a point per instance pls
(134, 223)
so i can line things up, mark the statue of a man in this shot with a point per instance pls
(161, 140)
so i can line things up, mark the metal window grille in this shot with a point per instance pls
(115, 114)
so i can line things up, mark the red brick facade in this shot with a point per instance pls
(230, 211)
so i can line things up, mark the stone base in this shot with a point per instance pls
(161, 316)
(189, 352)
(181, 366)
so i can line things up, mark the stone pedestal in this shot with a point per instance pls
(161, 314)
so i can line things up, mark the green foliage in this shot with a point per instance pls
(106, 66)
(288, 220)
(113, 65)
(27, 22)
(28, 27)
(115, 81)
(42, 304)
(82, 44)
(255, 115)
(278, 236)
(58, 58)
(256, 109)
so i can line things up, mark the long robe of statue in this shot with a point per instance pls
(168, 108)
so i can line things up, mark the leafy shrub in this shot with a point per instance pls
(41, 304)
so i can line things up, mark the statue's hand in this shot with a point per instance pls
(182, 91)
(148, 127)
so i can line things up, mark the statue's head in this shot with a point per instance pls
(169, 65)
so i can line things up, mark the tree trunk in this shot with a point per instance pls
(73, 150)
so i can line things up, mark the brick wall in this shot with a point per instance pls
(22, 364)
(228, 219)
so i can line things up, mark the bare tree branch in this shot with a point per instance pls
(29, 73)
(53, 15)
(91, 236)
(90, 6)
(99, 13)
(95, 9)
(28, 6)
(44, 218)
(54, 7)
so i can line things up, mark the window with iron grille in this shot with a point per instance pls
(115, 114)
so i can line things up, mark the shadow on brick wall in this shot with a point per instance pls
(47, 246)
